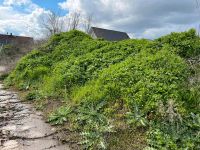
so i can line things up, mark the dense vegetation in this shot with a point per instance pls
(107, 87)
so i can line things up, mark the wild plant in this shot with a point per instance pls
(172, 131)
(96, 126)
(136, 117)
(60, 116)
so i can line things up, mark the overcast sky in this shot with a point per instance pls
(140, 18)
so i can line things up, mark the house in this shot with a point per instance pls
(106, 34)
(17, 41)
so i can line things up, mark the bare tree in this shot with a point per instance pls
(52, 23)
(197, 3)
(197, 7)
(74, 20)
(88, 23)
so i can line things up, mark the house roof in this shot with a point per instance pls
(2, 36)
(6, 37)
(109, 35)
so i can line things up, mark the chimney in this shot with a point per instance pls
(10, 34)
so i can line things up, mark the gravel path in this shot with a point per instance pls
(23, 128)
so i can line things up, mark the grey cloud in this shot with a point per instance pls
(140, 17)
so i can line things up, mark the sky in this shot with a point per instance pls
(50, 5)
(139, 18)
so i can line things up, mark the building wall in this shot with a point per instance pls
(21, 45)
(24, 43)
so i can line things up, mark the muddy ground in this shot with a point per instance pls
(23, 128)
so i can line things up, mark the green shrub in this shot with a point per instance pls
(125, 81)
(29, 70)
(186, 43)
(144, 79)
(176, 135)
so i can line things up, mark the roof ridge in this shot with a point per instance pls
(15, 36)
(107, 34)
(109, 30)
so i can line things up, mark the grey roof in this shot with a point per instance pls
(109, 35)
(8, 39)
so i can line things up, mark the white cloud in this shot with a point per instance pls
(140, 18)
(16, 2)
(21, 22)
(71, 5)
(143, 18)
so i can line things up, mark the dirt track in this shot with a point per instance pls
(23, 128)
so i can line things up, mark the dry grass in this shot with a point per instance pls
(129, 139)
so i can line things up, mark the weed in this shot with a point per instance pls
(60, 116)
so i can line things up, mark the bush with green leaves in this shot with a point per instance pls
(30, 70)
(128, 80)
(177, 134)
(141, 80)
(186, 43)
